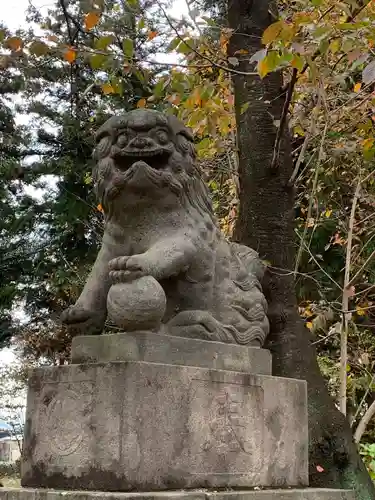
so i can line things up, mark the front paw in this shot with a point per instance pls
(81, 321)
(125, 269)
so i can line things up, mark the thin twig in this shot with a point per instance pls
(203, 56)
(317, 263)
(333, 332)
(301, 156)
(364, 422)
(345, 305)
(369, 388)
(371, 256)
(314, 186)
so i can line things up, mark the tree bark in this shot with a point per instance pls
(266, 223)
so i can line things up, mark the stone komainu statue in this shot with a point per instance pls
(163, 263)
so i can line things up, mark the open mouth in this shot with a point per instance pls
(156, 159)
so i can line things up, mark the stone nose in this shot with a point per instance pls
(142, 142)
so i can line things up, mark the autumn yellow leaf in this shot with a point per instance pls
(152, 34)
(357, 87)
(328, 213)
(14, 43)
(241, 52)
(142, 103)
(335, 45)
(263, 68)
(224, 40)
(360, 311)
(307, 313)
(91, 20)
(99, 208)
(70, 55)
(271, 33)
(107, 88)
(368, 143)
(297, 62)
(309, 325)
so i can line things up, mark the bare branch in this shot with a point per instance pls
(364, 422)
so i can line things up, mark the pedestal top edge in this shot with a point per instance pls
(157, 335)
(269, 494)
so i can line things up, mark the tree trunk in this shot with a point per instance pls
(266, 223)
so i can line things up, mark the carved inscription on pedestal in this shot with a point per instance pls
(230, 420)
(63, 418)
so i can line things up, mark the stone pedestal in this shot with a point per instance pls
(144, 412)
(147, 425)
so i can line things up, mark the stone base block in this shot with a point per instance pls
(302, 494)
(137, 426)
(158, 348)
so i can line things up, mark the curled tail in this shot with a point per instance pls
(252, 324)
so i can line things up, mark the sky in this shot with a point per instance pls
(13, 12)
(13, 15)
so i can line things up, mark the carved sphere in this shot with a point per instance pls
(137, 305)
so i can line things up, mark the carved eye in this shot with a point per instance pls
(122, 140)
(162, 136)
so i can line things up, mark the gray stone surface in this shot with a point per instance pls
(137, 304)
(157, 348)
(160, 224)
(137, 426)
(300, 494)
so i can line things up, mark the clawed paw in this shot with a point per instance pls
(81, 321)
(128, 268)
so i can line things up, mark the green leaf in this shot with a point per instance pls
(272, 60)
(209, 21)
(141, 76)
(88, 178)
(128, 48)
(97, 61)
(321, 32)
(352, 26)
(174, 44)
(159, 88)
(141, 23)
(204, 144)
(38, 48)
(244, 108)
(103, 42)
(297, 62)
(185, 48)
(133, 3)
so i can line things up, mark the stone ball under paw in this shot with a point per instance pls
(137, 305)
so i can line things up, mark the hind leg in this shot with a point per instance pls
(199, 325)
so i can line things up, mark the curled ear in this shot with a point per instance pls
(178, 127)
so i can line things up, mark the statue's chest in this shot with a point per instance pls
(140, 234)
